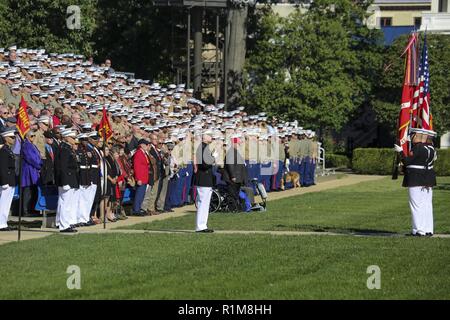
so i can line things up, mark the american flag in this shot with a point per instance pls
(424, 111)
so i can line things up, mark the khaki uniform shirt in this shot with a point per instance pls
(39, 142)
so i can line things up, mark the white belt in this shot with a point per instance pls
(94, 166)
(84, 167)
(419, 167)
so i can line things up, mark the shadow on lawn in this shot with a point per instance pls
(169, 231)
(350, 231)
(34, 224)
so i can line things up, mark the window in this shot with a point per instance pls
(385, 22)
(417, 22)
(443, 5)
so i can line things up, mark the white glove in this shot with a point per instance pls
(397, 148)
(5, 186)
(66, 187)
(187, 174)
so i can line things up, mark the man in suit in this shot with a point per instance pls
(67, 170)
(235, 170)
(203, 181)
(157, 176)
(420, 178)
(7, 177)
(48, 167)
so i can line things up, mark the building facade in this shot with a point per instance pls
(397, 17)
(438, 19)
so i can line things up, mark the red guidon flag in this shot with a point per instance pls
(406, 117)
(104, 129)
(23, 122)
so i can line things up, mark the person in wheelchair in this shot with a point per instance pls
(234, 174)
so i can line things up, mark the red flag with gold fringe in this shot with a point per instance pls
(23, 122)
(105, 130)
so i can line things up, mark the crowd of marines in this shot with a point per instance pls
(155, 132)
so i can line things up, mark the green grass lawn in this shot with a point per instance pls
(201, 266)
(377, 206)
(220, 266)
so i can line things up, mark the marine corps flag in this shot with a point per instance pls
(104, 129)
(405, 119)
(23, 122)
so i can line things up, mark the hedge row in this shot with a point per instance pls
(380, 161)
(337, 161)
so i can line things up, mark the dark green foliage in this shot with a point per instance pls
(317, 66)
(337, 161)
(380, 161)
(42, 24)
(442, 165)
(373, 160)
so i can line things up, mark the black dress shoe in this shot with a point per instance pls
(205, 231)
(6, 229)
(429, 234)
(68, 230)
(139, 214)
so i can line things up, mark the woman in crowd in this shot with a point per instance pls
(32, 163)
(113, 172)
(124, 169)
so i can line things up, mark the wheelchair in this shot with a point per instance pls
(223, 201)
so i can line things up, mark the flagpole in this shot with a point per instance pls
(23, 126)
(104, 163)
(20, 192)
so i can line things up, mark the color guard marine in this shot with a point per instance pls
(420, 178)
(7, 177)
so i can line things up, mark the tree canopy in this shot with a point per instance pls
(317, 66)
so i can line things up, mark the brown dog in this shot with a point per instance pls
(291, 176)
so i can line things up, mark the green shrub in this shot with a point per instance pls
(373, 161)
(380, 161)
(442, 164)
(337, 161)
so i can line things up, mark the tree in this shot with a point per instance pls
(388, 90)
(42, 24)
(316, 66)
(140, 37)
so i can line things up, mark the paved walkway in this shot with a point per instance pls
(324, 183)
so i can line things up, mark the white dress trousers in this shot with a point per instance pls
(85, 202)
(66, 210)
(6, 196)
(76, 200)
(203, 199)
(421, 204)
